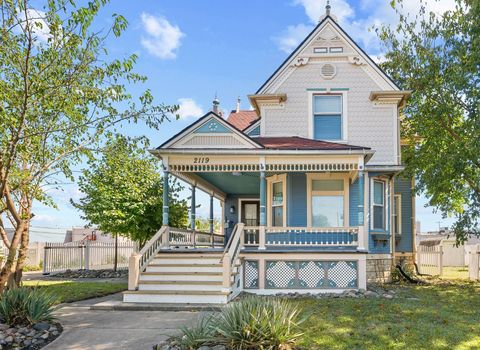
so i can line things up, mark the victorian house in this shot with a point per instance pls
(310, 182)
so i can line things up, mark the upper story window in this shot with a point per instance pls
(378, 205)
(327, 115)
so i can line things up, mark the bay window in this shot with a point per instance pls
(397, 214)
(379, 205)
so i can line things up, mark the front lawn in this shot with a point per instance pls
(69, 291)
(444, 315)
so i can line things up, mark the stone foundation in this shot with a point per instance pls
(379, 268)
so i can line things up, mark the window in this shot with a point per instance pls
(397, 214)
(327, 115)
(379, 205)
(277, 204)
(320, 50)
(336, 49)
(327, 203)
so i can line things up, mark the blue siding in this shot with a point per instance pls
(255, 131)
(297, 199)
(404, 187)
(353, 203)
(328, 127)
(212, 126)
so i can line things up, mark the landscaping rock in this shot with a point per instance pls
(122, 273)
(41, 326)
(28, 338)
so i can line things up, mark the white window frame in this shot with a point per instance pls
(345, 192)
(397, 202)
(311, 115)
(385, 204)
(270, 181)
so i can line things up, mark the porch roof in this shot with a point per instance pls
(300, 143)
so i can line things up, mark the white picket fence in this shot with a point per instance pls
(473, 265)
(430, 259)
(85, 255)
(34, 254)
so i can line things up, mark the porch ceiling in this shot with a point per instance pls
(244, 184)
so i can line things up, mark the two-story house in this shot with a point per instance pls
(310, 185)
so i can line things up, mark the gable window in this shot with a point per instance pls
(397, 214)
(379, 205)
(327, 115)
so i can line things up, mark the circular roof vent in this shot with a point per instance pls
(328, 71)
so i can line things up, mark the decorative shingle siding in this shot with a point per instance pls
(368, 125)
(404, 188)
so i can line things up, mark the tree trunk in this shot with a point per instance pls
(22, 254)
(9, 266)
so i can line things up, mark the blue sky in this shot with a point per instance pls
(190, 50)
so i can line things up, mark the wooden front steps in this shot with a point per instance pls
(181, 278)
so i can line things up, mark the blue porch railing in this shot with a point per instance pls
(303, 236)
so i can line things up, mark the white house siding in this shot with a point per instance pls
(368, 125)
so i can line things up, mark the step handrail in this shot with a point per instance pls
(151, 248)
(231, 251)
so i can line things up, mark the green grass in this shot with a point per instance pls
(443, 315)
(69, 291)
(450, 273)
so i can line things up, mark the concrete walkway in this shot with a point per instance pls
(86, 329)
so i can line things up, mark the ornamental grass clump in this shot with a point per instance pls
(23, 306)
(252, 323)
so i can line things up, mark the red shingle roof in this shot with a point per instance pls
(242, 119)
(300, 143)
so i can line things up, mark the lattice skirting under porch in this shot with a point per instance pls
(302, 274)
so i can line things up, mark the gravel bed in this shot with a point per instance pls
(28, 338)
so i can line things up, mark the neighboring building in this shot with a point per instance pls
(310, 183)
(82, 234)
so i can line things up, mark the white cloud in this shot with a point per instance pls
(44, 219)
(292, 36)
(358, 25)
(189, 108)
(163, 38)
(37, 24)
(315, 9)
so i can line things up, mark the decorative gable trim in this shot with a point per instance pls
(335, 32)
(212, 126)
(210, 131)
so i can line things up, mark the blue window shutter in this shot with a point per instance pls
(328, 127)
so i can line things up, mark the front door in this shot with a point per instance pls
(250, 217)
(250, 213)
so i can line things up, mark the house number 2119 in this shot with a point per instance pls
(201, 160)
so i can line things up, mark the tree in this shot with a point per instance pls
(61, 96)
(123, 192)
(438, 58)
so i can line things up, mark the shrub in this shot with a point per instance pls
(252, 323)
(26, 306)
(193, 337)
